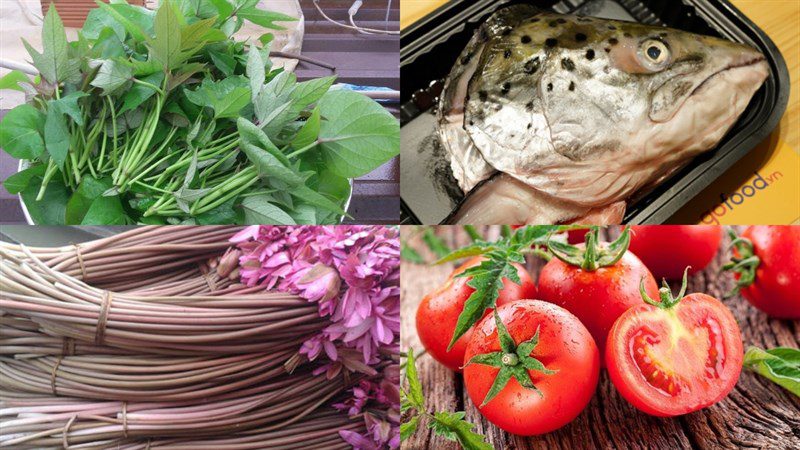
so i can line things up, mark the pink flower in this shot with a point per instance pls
(353, 274)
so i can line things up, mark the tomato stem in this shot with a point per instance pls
(665, 293)
(593, 256)
(745, 265)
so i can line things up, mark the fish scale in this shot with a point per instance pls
(584, 112)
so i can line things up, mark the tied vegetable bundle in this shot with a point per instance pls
(163, 118)
(154, 338)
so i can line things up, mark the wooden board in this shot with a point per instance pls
(756, 414)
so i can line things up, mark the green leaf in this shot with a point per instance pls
(309, 132)
(105, 211)
(17, 182)
(259, 211)
(138, 22)
(224, 8)
(223, 214)
(414, 393)
(252, 135)
(780, 365)
(21, 133)
(223, 61)
(139, 93)
(52, 63)
(357, 135)
(100, 19)
(111, 76)
(166, 46)
(474, 249)
(489, 359)
(312, 197)
(198, 34)
(452, 426)
(12, 79)
(304, 215)
(487, 280)
(56, 134)
(107, 46)
(311, 91)
(50, 209)
(435, 243)
(265, 18)
(226, 97)
(409, 254)
(255, 71)
(407, 429)
(83, 197)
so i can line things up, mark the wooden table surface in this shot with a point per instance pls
(756, 414)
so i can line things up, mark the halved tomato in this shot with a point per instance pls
(675, 356)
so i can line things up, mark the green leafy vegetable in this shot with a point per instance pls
(162, 117)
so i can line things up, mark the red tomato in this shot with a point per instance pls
(668, 362)
(596, 297)
(564, 346)
(438, 313)
(668, 249)
(577, 236)
(776, 287)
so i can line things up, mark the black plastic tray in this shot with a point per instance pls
(429, 48)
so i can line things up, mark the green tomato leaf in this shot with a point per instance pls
(780, 365)
(414, 393)
(50, 209)
(487, 280)
(407, 429)
(435, 243)
(452, 426)
(17, 182)
(409, 254)
(105, 211)
(265, 18)
(259, 211)
(21, 133)
(357, 135)
(12, 79)
(111, 76)
(52, 63)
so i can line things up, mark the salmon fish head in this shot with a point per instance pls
(591, 110)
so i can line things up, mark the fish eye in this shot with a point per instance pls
(655, 54)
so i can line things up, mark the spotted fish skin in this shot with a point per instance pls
(588, 111)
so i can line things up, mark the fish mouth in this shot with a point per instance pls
(746, 63)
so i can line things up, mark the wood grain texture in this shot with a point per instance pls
(757, 414)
